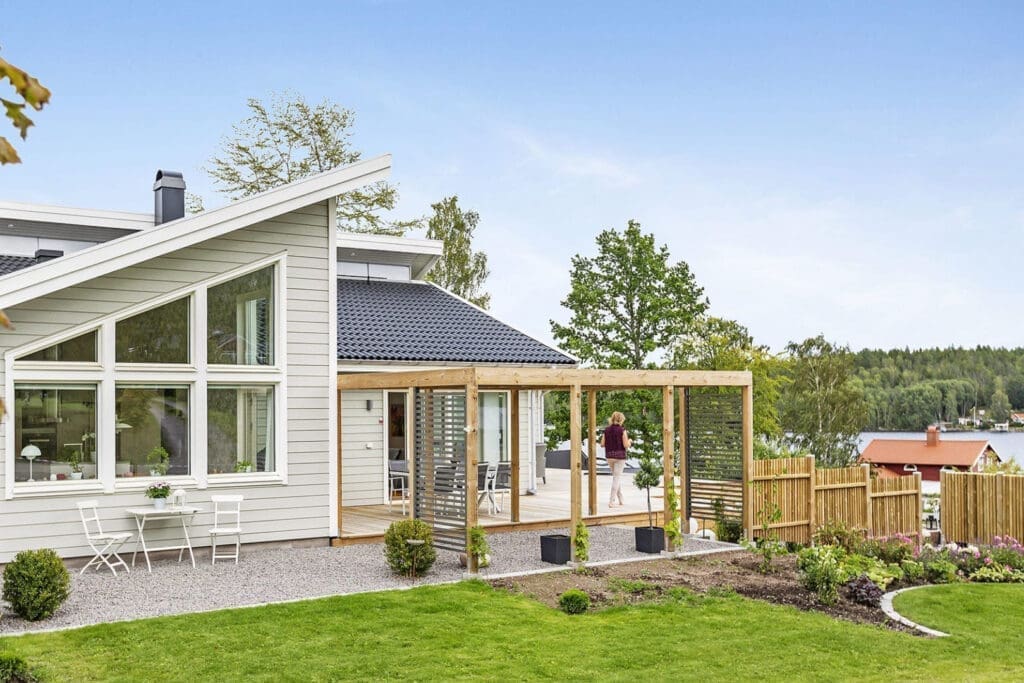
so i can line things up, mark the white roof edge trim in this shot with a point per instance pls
(130, 250)
(573, 358)
(65, 215)
(406, 245)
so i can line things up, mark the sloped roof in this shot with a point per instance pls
(10, 263)
(907, 452)
(137, 247)
(418, 321)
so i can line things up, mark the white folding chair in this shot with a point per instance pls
(227, 521)
(104, 545)
(490, 481)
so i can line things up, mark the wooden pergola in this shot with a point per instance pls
(577, 382)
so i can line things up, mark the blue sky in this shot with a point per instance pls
(844, 168)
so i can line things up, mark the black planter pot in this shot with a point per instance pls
(650, 539)
(554, 548)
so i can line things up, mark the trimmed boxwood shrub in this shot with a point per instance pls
(14, 669)
(574, 601)
(405, 558)
(36, 583)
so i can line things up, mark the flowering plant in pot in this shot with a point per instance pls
(159, 461)
(158, 493)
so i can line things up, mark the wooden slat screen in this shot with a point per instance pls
(440, 466)
(714, 452)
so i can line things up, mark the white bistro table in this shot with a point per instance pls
(183, 513)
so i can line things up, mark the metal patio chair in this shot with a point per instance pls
(103, 544)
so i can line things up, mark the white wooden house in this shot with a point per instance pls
(216, 337)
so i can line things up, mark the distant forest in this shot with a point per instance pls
(908, 390)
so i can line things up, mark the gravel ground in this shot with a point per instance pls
(280, 574)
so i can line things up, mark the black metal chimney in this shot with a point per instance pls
(169, 197)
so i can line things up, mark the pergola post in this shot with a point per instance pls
(515, 455)
(684, 484)
(575, 458)
(338, 409)
(748, 459)
(472, 469)
(410, 446)
(429, 465)
(592, 452)
(668, 477)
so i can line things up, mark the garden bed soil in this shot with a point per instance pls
(638, 582)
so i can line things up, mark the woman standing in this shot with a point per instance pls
(615, 442)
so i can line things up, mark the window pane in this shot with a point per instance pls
(152, 431)
(159, 335)
(240, 429)
(240, 318)
(54, 432)
(81, 349)
(493, 439)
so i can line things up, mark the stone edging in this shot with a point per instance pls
(891, 612)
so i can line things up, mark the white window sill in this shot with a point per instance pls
(68, 487)
(142, 483)
(244, 479)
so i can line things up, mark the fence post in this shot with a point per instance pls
(1000, 518)
(868, 517)
(920, 509)
(812, 502)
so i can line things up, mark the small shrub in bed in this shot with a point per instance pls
(879, 572)
(821, 568)
(411, 559)
(574, 601)
(727, 529)
(864, 591)
(889, 549)
(36, 584)
(14, 669)
(836, 533)
(940, 571)
(913, 571)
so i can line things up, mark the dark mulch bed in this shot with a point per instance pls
(637, 582)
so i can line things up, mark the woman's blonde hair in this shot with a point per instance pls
(617, 418)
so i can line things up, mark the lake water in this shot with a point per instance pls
(1009, 445)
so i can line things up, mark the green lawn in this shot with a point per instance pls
(471, 631)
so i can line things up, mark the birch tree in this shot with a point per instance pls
(460, 270)
(823, 409)
(286, 139)
(30, 94)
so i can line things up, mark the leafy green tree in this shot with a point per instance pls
(628, 303)
(823, 409)
(286, 139)
(31, 93)
(460, 270)
(999, 405)
(720, 344)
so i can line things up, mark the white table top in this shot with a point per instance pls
(170, 510)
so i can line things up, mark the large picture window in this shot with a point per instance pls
(54, 432)
(159, 335)
(151, 431)
(240, 429)
(240, 320)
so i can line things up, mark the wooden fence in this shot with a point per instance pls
(807, 497)
(976, 507)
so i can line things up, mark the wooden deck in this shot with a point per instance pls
(548, 508)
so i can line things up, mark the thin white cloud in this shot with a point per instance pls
(575, 163)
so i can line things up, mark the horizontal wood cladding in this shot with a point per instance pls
(271, 511)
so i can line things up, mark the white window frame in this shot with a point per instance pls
(197, 375)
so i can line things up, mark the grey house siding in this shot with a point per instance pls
(271, 512)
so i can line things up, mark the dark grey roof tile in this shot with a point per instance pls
(410, 321)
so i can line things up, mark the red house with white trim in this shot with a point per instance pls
(897, 457)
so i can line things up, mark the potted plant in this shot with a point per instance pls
(75, 460)
(158, 460)
(159, 493)
(243, 466)
(649, 539)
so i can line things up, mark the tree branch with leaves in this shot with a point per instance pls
(31, 93)
(460, 270)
